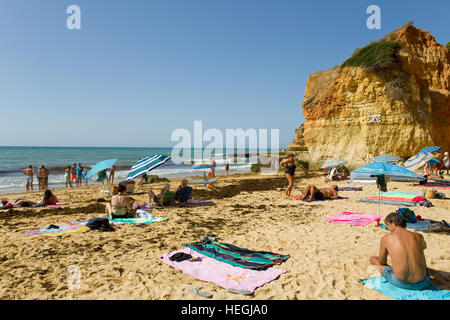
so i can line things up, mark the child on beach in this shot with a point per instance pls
(85, 172)
(67, 177)
(157, 198)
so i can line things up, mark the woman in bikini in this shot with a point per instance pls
(121, 205)
(289, 165)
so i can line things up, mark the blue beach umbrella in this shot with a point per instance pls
(145, 165)
(417, 161)
(386, 158)
(103, 165)
(388, 169)
(430, 149)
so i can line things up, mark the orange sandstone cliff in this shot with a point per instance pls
(355, 112)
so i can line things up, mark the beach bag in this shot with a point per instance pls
(429, 194)
(407, 214)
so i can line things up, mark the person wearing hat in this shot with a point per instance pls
(446, 162)
(157, 198)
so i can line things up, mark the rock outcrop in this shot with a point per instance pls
(357, 112)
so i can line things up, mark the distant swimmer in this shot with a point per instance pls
(29, 172)
(289, 165)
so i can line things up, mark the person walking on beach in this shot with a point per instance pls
(45, 173)
(67, 177)
(111, 174)
(406, 248)
(73, 172)
(289, 165)
(29, 172)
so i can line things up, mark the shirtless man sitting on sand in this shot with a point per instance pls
(312, 193)
(409, 269)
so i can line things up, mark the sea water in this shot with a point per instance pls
(15, 159)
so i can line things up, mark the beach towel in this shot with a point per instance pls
(354, 218)
(143, 218)
(58, 204)
(390, 202)
(396, 196)
(436, 185)
(199, 201)
(62, 230)
(350, 189)
(223, 274)
(301, 199)
(147, 206)
(418, 225)
(385, 287)
(236, 256)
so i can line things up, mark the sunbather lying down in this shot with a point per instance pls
(313, 193)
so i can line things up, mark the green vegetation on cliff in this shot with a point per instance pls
(377, 56)
(448, 45)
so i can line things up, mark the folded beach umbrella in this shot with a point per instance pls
(386, 158)
(145, 165)
(430, 149)
(103, 165)
(417, 161)
(333, 163)
(388, 169)
(203, 165)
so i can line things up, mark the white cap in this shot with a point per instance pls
(446, 153)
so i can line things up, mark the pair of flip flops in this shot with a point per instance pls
(206, 294)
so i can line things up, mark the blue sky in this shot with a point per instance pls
(139, 69)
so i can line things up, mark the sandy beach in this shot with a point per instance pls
(250, 211)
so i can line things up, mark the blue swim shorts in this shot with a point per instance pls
(389, 275)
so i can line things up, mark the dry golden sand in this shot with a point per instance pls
(250, 211)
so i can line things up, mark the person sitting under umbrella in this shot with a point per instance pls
(313, 193)
(121, 205)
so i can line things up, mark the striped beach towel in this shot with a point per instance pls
(62, 230)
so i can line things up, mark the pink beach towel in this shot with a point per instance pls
(223, 274)
(354, 218)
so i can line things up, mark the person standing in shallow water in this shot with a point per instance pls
(289, 165)
(29, 172)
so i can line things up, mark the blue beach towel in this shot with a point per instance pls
(385, 287)
(419, 225)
